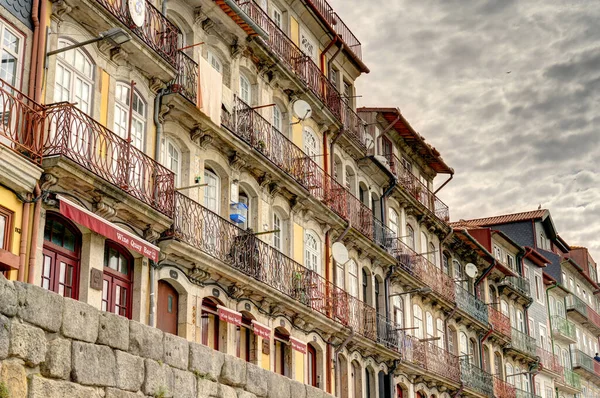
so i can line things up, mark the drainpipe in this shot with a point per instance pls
(153, 266)
(333, 57)
(554, 286)
(462, 387)
(450, 315)
(41, 51)
(391, 373)
(37, 208)
(322, 58)
(24, 235)
(444, 184)
(336, 355)
(34, 53)
(325, 154)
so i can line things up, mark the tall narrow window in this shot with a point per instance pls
(353, 278)
(445, 264)
(211, 191)
(277, 119)
(62, 248)
(429, 321)
(245, 199)
(245, 90)
(440, 332)
(277, 16)
(173, 160)
(418, 321)
(312, 252)
(394, 226)
(311, 144)
(311, 359)
(117, 284)
(215, 62)
(74, 77)
(424, 244)
(463, 345)
(432, 254)
(138, 115)
(410, 236)
(11, 46)
(6, 227)
(399, 311)
(333, 77)
(277, 227)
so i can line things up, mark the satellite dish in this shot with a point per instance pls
(340, 253)
(471, 270)
(301, 109)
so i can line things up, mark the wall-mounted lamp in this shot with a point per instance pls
(116, 36)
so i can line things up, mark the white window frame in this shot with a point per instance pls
(121, 124)
(77, 77)
(277, 235)
(353, 278)
(539, 288)
(215, 61)
(418, 321)
(18, 55)
(277, 118)
(213, 182)
(247, 97)
(277, 16)
(169, 160)
(310, 143)
(312, 254)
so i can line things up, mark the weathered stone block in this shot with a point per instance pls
(205, 361)
(45, 388)
(184, 384)
(130, 371)
(14, 377)
(93, 365)
(316, 392)
(233, 372)
(145, 341)
(256, 380)
(27, 342)
(8, 297)
(298, 390)
(244, 394)
(39, 306)
(80, 321)
(4, 336)
(207, 388)
(58, 359)
(113, 331)
(278, 387)
(159, 379)
(226, 392)
(114, 393)
(176, 351)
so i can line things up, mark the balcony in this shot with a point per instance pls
(186, 81)
(306, 70)
(502, 389)
(425, 271)
(500, 322)
(384, 236)
(585, 365)
(471, 305)
(569, 381)
(522, 343)
(518, 284)
(476, 379)
(218, 238)
(430, 357)
(418, 190)
(72, 134)
(549, 362)
(563, 329)
(583, 313)
(525, 394)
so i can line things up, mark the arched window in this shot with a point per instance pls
(440, 332)
(429, 322)
(509, 372)
(117, 284)
(277, 119)
(410, 236)
(432, 254)
(517, 379)
(498, 368)
(62, 248)
(365, 287)
(211, 330)
(245, 199)
(393, 218)
(486, 359)
(311, 359)
(311, 143)
(445, 264)
(173, 160)
(353, 278)
(473, 352)
(350, 179)
(423, 242)
(463, 343)
(215, 62)
(312, 252)
(452, 347)
(74, 77)
(504, 307)
(418, 321)
(245, 90)
(399, 311)
(246, 339)
(138, 116)
(212, 191)
(278, 228)
(520, 321)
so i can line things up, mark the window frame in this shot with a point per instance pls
(123, 107)
(244, 80)
(217, 188)
(168, 164)
(6, 238)
(19, 55)
(61, 61)
(116, 278)
(213, 59)
(312, 251)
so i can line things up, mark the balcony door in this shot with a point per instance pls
(167, 311)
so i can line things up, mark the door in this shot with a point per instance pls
(167, 309)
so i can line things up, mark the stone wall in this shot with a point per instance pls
(53, 347)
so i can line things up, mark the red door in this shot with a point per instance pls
(168, 299)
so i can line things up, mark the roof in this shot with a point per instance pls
(413, 138)
(503, 219)
(537, 257)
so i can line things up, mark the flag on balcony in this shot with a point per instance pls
(210, 91)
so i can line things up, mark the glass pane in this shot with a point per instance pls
(69, 241)
(2, 231)
(170, 304)
(117, 295)
(62, 272)
(57, 233)
(11, 42)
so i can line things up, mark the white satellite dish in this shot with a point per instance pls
(340, 253)
(301, 109)
(471, 270)
(137, 12)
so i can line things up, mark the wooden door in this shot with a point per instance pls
(168, 299)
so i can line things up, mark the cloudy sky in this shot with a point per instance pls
(507, 90)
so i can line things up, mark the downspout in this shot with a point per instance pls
(444, 184)
(336, 355)
(34, 53)
(153, 266)
(24, 235)
(325, 154)
(485, 273)
(481, 341)
(391, 373)
(322, 59)
(164, 7)
(450, 315)
(41, 50)
(37, 208)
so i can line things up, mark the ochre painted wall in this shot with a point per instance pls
(265, 360)
(295, 31)
(9, 201)
(297, 133)
(299, 364)
(298, 243)
(104, 86)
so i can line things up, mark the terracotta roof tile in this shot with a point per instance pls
(496, 220)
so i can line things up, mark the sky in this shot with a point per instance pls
(507, 90)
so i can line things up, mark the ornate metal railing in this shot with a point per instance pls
(570, 379)
(549, 361)
(575, 303)
(424, 270)
(475, 378)
(522, 342)
(384, 236)
(71, 133)
(502, 389)
(525, 394)
(499, 321)
(518, 284)
(434, 359)
(335, 22)
(417, 189)
(243, 251)
(563, 327)
(584, 361)
(157, 31)
(21, 123)
(471, 305)
(186, 81)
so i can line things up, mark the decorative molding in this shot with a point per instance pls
(104, 210)
(60, 8)
(237, 162)
(118, 55)
(48, 181)
(150, 234)
(198, 276)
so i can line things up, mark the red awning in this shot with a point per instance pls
(105, 228)
(229, 316)
(261, 330)
(298, 345)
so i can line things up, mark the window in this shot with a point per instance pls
(348, 92)
(215, 62)
(463, 344)
(138, 117)
(457, 271)
(543, 241)
(245, 90)
(526, 273)
(353, 278)
(486, 359)
(432, 254)
(520, 321)
(504, 307)
(509, 371)
(399, 311)
(333, 77)
(497, 253)
(498, 369)
(410, 236)
(510, 261)
(211, 191)
(312, 252)
(117, 282)
(245, 199)
(277, 227)
(445, 264)
(6, 228)
(539, 290)
(60, 266)
(74, 77)
(407, 165)
(173, 160)
(440, 332)
(11, 45)
(394, 226)
(418, 321)
(246, 340)
(452, 340)
(429, 324)
(277, 120)
(531, 328)
(423, 243)
(210, 323)
(311, 144)
(311, 359)
(277, 16)
(340, 277)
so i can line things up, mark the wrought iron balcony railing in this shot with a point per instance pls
(570, 378)
(525, 394)
(428, 356)
(523, 343)
(475, 378)
(157, 31)
(471, 305)
(563, 327)
(21, 123)
(503, 389)
(576, 304)
(384, 236)
(421, 268)
(71, 133)
(583, 361)
(186, 81)
(417, 189)
(518, 284)
(243, 251)
(499, 321)
(549, 361)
